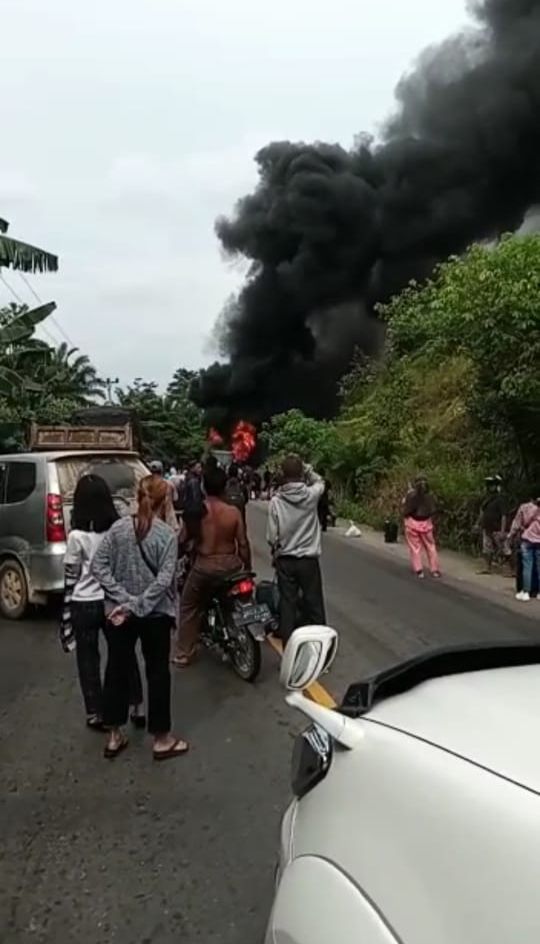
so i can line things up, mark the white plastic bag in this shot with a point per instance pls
(353, 531)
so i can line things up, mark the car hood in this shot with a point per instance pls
(490, 718)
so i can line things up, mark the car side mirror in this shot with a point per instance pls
(309, 652)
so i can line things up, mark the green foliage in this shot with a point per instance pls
(42, 383)
(17, 324)
(180, 386)
(458, 393)
(171, 425)
(69, 374)
(294, 432)
(486, 306)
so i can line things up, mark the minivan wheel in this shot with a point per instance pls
(13, 590)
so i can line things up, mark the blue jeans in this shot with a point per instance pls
(530, 554)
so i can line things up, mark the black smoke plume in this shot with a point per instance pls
(329, 232)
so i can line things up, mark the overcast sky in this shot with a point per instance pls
(129, 125)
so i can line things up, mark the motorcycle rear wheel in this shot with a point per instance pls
(244, 653)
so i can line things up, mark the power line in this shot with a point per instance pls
(52, 318)
(12, 290)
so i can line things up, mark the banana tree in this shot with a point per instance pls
(15, 254)
(19, 331)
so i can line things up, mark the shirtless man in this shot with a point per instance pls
(221, 549)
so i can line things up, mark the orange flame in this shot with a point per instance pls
(243, 441)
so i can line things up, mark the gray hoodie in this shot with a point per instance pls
(293, 528)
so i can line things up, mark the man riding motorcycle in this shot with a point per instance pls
(221, 548)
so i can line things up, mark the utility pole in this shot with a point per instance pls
(109, 383)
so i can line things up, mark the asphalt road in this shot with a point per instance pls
(132, 852)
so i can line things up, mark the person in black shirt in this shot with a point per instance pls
(324, 504)
(492, 522)
(267, 481)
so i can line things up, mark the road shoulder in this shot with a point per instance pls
(459, 570)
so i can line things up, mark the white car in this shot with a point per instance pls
(417, 810)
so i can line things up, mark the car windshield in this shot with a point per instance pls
(122, 473)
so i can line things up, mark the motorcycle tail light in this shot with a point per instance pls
(242, 587)
(312, 757)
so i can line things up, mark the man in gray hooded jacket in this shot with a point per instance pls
(294, 534)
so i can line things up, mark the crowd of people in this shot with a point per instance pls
(144, 579)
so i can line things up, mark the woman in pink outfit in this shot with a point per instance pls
(419, 509)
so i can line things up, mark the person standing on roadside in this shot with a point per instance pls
(191, 493)
(136, 566)
(83, 612)
(324, 504)
(526, 526)
(492, 522)
(177, 480)
(294, 535)
(267, 482)
(256, 484)
(236, 491)
(419, 509)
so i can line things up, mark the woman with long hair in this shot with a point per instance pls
(83, 613)
(419, 509)
(136, 566)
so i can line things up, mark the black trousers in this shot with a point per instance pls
(88, 620)
(155, 635)
(300, 589)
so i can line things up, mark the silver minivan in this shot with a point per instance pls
(36, 498)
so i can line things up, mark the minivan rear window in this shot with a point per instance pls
(122, 473)
(21, 481)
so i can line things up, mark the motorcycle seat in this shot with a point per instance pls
(221, 582)
(230, 579)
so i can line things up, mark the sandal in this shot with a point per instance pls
(95, 723)
(178, 749)
(111, 752)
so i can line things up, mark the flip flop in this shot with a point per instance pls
(111, 752)
(172, 751)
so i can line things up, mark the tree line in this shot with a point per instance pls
(47, 384)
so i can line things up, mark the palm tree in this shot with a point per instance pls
(67, 373)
